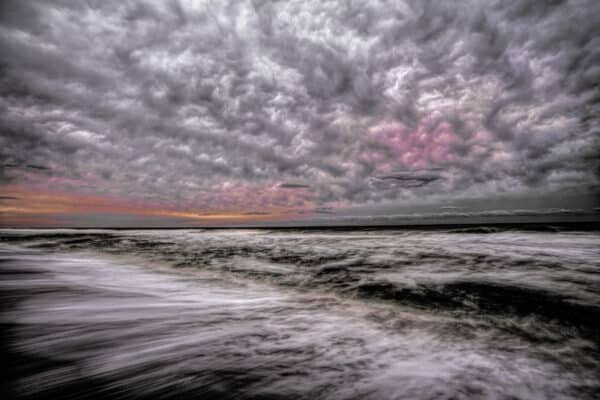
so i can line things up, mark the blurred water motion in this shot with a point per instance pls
(293, 314)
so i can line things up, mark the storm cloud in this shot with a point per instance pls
(226, 105)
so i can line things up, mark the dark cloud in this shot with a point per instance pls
(8, 198)
(38, 167)
(323, 210)
(256, 213)
(410, 179)
(10, 172)
(187, 103)
(293, 186)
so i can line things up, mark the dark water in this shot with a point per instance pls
(444, 314)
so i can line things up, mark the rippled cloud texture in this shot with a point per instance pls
(294, 109)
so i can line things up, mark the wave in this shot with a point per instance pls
(486, 297)
(90, 326)
(550, 275)
(479, 229)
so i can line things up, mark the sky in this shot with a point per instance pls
(196, 113)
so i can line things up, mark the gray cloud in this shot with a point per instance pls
(256, 213)
(188, 103)
(410, 179)
(38, 167)
(323, 210)
(293, 186)
(450, 208)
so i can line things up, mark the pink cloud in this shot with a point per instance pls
(241, 195)
(428, 145)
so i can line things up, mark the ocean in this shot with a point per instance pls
(446, 313)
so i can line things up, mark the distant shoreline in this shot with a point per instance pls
(475, 227)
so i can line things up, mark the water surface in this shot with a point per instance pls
(373, 314)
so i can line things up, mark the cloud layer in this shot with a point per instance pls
(210, 106)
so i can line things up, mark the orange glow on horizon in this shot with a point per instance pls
(26, 206)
